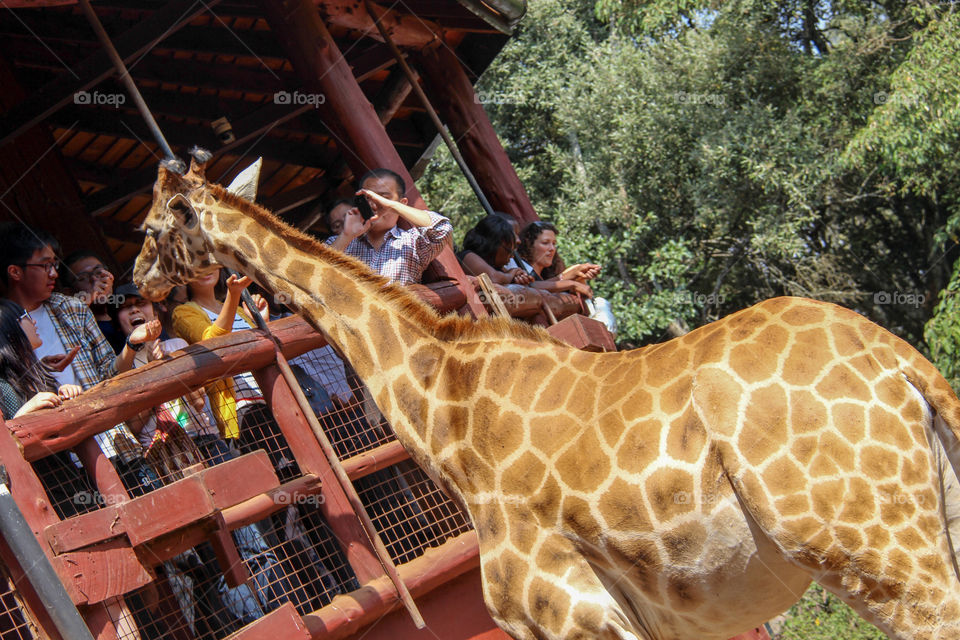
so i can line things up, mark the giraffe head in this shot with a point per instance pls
(177, 247)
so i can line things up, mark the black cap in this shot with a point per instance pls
(128, 290)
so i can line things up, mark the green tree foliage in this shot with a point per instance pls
(712, 154)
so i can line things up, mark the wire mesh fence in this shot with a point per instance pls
(13, 619)
(291, 555)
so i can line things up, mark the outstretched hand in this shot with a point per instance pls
(60, 361)
(236, 284)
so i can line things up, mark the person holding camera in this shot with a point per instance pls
(85, 276)
(370, 231)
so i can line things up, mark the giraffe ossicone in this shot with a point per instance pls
(690, 489)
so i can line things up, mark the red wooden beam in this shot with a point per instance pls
(124, 396)
(405, 29)
(458, 105)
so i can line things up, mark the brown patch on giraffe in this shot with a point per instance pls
(501, 373)
(640, 447)
(790, 506)
(612, 426)
(803, 448)
(548, 605)
(228, 224)
(674, 398)
(878, 537)
(717, 394)
(803, 529)
(666, 362)
(686, 437)
(274, 251)
(578, 517)
(549, 433)
(637, 405)
(535, 369)
(823, 467)
(448, 425)
(850, 538)
(757, 360)
(764, 430)
(912, 413)
(505, 436)
(504, 575)
(670, 492)
(839, 450)
(826, 497)
(522, 533)
(245, 246)
(584, 466)
(491, 523)
(910, 539)
(476, 475)
(888, 428)
(879, 463)
(461, 378)
(807, 412)
(381, 336)
(916, 470)
(713, 348)
(891, 391)
(799, 316)
(557, 392)
(589, 618)
(843, 383)
(782, 477)
(622, 509)
(583, 402)
(424, 365)
(935, 566)
(900, 565)
(545, 504)
(554, 556)
(894, 510)
(846, 340)
(858, 504)
(744, 324)
(850, 420)
(300, 271)
(685, 543)
(524, 476)
(807, 358)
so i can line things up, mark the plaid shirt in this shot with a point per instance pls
(95, 362)
(405, 253)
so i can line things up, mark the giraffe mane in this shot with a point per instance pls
(448, 327)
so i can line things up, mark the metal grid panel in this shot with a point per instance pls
(291, 557)
(411, 513)
(68, 488)
(13, 620)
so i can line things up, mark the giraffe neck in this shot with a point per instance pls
(375, 332)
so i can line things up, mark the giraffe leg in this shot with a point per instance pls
(558, 598)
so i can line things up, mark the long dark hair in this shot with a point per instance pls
(18, 362)
(528, 236)
(491, 233)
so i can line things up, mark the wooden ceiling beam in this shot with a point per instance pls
(406, 30)
(93, 70)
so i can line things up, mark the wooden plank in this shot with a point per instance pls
(583, 333)
(100, 573)
(85, 529)
(381, 457)
(166, 509)
(284, 622)
(240, 479)
(123, 396)
(234, 569)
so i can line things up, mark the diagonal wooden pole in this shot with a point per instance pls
(342, 478)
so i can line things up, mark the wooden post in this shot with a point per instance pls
(345, 110)
(458, 105)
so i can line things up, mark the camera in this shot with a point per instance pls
(361, 203)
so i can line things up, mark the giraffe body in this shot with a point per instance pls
(690, 489)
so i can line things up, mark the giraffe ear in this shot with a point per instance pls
(183, 211)
(245, 184)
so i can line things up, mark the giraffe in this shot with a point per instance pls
(689, 489)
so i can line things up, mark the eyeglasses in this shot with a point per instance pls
(49, 267)
(90, 274)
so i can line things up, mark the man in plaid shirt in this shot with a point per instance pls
(73, 345)
(401, 255)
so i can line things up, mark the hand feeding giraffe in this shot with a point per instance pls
(690, 489)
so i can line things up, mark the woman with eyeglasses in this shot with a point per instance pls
(538, 247)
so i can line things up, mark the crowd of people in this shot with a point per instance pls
(65, 327)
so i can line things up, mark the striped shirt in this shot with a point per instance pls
(405, 253)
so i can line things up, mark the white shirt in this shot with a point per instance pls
(52, 345)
